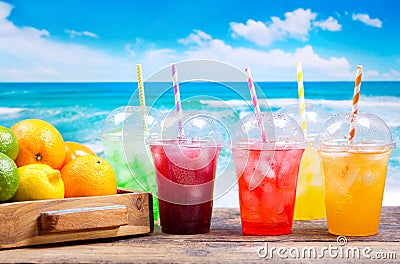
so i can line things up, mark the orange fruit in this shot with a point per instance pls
(39, 142)
(88, 176)
(74, 150)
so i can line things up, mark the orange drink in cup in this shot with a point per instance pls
(354, 173)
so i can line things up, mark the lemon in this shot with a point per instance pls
(9, 178)
(8, 143)
(39, 182)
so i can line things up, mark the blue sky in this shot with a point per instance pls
(102, 40)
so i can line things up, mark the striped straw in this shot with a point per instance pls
(302, 103)
(177, 98)
(141, 94)
(356, 97)
(255, 103)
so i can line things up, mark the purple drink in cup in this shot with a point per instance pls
(185, 172)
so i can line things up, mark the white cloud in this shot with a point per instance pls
(255, 31)
(296, 25)
(395, 74)
(198, 37)
(276, 64)
(139, 44)
(129, 48)
(30, 54)
(271, 65)
(329, 24)
(371, 74)
(391, 75)
(364, 18)
(72, 33)
(5, 10)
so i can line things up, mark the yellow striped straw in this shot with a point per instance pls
(141, 94)
(302, 102)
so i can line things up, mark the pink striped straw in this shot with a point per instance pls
(177, 98)
(255, 102)
(356, 97)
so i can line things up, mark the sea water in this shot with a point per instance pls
(78, 110)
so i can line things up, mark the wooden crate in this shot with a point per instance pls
(50, 221)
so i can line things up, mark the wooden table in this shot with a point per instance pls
(225, 243)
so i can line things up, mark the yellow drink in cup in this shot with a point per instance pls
(354, 183)
(354, 172)
(310, 201)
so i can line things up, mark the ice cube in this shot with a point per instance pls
(240, 158)
(124, 177)
(349, 175)
(263, 170)
(368, 177)
(274, 199)
(338, 193)
(256, 180)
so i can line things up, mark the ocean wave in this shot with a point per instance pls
(365, 101)
(10, 110)
(95, 146)
(386, 107)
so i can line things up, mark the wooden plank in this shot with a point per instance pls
(129, 250)
(20, 222)
(224, 244)
(82, 219)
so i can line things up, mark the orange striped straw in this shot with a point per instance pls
(356, 98)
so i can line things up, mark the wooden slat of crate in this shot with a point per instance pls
(20, 222)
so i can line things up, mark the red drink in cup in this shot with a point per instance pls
(267, 172)
(267, 187)
(185, 171)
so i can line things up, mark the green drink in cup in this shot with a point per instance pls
(123, 140)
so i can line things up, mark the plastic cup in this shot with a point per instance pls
(123, 140)
(185, 172)
(310, 200)
(267, 173)
(354, 174)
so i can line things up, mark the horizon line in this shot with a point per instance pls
(264, 81)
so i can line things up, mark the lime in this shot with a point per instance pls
(8, 143)
(39, 182)
(9, 178)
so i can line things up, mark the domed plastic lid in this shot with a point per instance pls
(316, 115)
(127, 122)
(371, 133)
(281, 131)
(196, 125)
